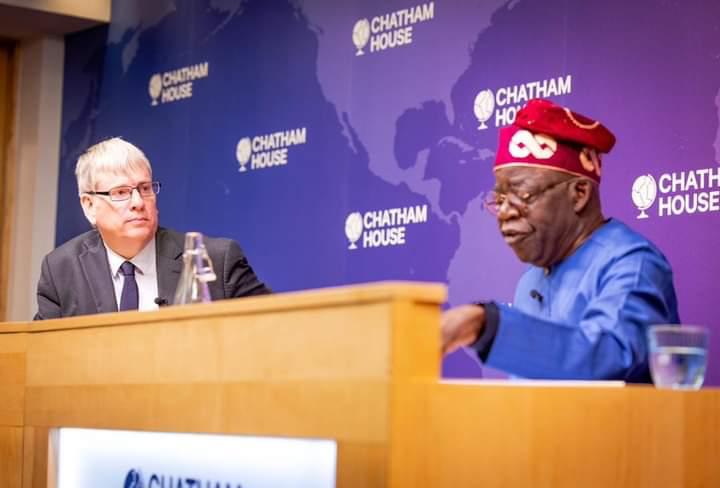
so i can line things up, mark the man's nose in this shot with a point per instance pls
(136, 200)
(507, 211)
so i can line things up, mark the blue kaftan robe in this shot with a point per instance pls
(586, 318)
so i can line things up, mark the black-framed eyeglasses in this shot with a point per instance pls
(521, 201)
(146, 189)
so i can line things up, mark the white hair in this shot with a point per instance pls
(111, 156)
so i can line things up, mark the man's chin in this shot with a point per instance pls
(137, 231)
(523, 254)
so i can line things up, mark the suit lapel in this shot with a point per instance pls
(95, 267)
(169, 249)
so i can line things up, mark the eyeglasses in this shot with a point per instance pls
(521, 201)
(146, 189)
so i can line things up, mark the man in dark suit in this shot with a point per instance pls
(127, 262)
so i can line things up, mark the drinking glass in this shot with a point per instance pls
(678, 355)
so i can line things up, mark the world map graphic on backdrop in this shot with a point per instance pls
(345, 142)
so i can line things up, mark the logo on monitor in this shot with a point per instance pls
(133, 479)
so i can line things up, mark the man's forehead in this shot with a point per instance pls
(515, 175)
(126, 174)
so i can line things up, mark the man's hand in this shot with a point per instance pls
(461, 326)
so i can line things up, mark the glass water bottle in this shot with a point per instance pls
(197, 272)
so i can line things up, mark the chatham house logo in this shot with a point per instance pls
(155, 88)
(383, 228)
(353, 228)
(177, 84)
(505, 102)
(644, 191)
(133, 480)
(483, 107)
(243, 152)
(361, 35)
(679, 192)
(390, 30)
(268, 150)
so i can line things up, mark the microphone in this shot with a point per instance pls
(536, 295)
(161, 302)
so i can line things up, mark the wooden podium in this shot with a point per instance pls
(359, 365)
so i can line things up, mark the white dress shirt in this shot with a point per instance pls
(145, 275)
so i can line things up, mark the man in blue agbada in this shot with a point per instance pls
(582, 309)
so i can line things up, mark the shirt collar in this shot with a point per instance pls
(143, 260)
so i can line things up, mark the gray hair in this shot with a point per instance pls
(111, 156)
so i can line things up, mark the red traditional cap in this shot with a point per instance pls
(548, 135)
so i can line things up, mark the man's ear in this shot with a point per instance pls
(88, 206)
(582, 190)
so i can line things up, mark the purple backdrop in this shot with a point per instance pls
(396, 128)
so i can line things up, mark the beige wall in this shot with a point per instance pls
(37, 154)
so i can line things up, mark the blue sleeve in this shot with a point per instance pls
(608, 342)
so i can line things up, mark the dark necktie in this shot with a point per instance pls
(129, 295)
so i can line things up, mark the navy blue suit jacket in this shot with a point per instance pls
(76, 279)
